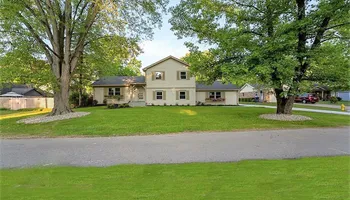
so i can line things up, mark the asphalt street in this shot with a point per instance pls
(175, 148)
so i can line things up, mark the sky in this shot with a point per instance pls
(164, 43)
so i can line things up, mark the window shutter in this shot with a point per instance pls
(154, 95)
(188, 75)
(164, 95)
(222, 94)
(178, 75)
(187, 95)
(153, 76)
(105, 91)
(177, 95)
(163, 77)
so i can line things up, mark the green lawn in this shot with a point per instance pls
(301, 179)
(346, 103)
(6, 111)
(297, 106)
(161, 120)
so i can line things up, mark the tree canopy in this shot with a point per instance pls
(279, 43)
(63, 29)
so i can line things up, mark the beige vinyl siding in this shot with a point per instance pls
(171, 97)
(231, 97)
(129, 94)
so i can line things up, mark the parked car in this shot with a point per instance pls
(306, 98)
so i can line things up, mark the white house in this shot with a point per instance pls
(166, 82)
(249, 91)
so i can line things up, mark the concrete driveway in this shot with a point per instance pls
(176, 148)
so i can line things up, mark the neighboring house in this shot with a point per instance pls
(166, 82)
(16, 96)
(344, 95)
(325, 92)
(250, 91)
(322, 92)
(22, 89)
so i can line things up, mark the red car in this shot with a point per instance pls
(306, 98)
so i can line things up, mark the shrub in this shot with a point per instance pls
(333, 99)
(110, 106)
(176, 104)
(164, 104)
(126, 105)
(94, 102)
(74, 99)
(90, 101)
(339, 98)
(104, 101)
(188, 104)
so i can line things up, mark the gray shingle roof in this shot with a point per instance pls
(119, 80)
(217, 85)
(22, 91)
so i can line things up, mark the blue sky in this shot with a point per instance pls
(164, 43)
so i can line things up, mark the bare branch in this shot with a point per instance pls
(43, 20)
(249, 6)
(44, 46)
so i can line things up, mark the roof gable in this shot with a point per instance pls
(163, 60)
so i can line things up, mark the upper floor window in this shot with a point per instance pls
(159, 75)
(183, 75)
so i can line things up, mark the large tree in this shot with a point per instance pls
(279, 43)
(63, 28)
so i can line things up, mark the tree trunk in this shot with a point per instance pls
(61, 98)
(284, 104)
(80, 90)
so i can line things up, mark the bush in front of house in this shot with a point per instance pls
(114, 106)
(339, 98)
(333, 99)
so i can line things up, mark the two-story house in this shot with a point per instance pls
(166, 82)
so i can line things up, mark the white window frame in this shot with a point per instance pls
(115, 92)
(110, 91)
(181, 76)
(159, 95)
(215, 95)
(158, 78)
(184, 95)
(140, 95)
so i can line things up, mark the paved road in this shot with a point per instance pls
(176, 148)
(302, 109)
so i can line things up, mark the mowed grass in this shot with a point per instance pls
(161, 120)
(346, 103)
(302, 179)
(307, 106)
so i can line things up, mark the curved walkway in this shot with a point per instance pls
(175, 148)
(302, 109)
